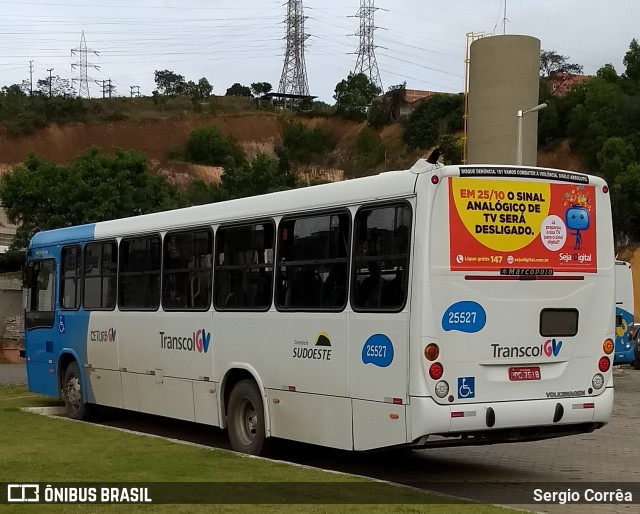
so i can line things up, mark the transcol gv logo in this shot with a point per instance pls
(196, 342)
(550, 348)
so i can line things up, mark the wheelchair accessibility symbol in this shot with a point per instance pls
(466, 387)
(61, 324)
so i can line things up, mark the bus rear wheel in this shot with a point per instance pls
(73, 395)
(245, 420)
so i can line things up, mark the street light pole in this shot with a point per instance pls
(521, 114)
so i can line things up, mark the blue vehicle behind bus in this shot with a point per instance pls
(624, 314)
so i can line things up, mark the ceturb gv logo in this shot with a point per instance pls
(196, 342)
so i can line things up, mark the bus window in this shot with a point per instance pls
(139, 274)
(187, 269)
(244, 267)
(70, 274)
(39, 305)
(381, 258)
(313, 262)
(100, 276)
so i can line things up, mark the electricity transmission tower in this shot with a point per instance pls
(83, 88)
(366, 62)
(294, 73)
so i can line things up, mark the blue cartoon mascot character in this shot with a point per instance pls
(577, 219)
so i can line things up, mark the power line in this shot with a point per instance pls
(294, 73)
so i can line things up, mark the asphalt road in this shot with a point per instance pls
(605, 457)
(12, 374)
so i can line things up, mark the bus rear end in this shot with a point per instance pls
(516, 302)
(624, 313)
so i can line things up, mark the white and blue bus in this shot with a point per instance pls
(434, 306)
(624, 313)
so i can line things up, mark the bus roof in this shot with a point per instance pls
(387, 185)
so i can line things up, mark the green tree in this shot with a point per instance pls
(261, 88)
(198, 192)
(608, 74)
(169, 83)
(553, 62)
(239, 90)
(439, 114)
(56, 85)
(624, 203)
(451, 148)
(369, 150)
(42, 195)
(262, 175)
(207, 145)
(632, 61)
(615, 156)
(354, 95)
(379, 113)
(304, 145)
(397, 97)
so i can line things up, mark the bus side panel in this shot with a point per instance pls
(311, 418)
(165, 354)
(389, 420)
(106, 387)
(102, 356)
(378, 356)
(41, 378)
(206, 403)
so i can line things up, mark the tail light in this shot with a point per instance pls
(436, 371)
(604, 364)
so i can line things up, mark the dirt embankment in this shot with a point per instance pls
(257, 133)
(155, 138)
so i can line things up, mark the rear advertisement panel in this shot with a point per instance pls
(517, 227)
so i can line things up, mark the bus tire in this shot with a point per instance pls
(636, 363)
(72, 394)
(245, 419)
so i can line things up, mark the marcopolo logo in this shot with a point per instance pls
(550, 348)
(196, 342)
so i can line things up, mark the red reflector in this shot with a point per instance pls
(292, 388)
(397, 401)
(604, 364)
(605, 189)
(457, 414)
(436, 371)
(588, 405)
(52, 371)
(434, 179)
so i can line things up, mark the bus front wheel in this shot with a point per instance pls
(72, 394)
(245, 420)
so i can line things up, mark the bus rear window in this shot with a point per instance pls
(558, 322)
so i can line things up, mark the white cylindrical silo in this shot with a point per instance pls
(504, 78)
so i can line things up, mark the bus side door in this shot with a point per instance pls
(42, 329)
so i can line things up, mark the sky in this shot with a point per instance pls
(420, 42)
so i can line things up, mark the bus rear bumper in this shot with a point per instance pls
(433, 424)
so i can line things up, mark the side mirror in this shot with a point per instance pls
(27, 277)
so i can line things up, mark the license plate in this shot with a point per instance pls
(524, 373)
